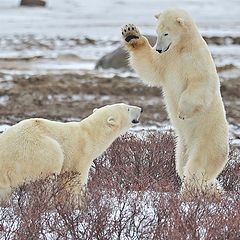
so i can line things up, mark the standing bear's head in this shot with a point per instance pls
(175, 28)
(118, 117)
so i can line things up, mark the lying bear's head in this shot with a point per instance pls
(173, 28)
(119, 116)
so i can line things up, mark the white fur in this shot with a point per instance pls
(37, 147)
(187, 74)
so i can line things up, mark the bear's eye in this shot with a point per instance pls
(165, 34)
(128, 109)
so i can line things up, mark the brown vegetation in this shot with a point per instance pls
(132, 194)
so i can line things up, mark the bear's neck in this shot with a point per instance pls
(96, 136)
(192, 39)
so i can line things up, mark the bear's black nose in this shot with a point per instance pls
(141, 110)
(135, 121)
(160, 51)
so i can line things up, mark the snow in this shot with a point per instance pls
(104, 18)
(140, 129)
(53, 26)
(4, 100)
(4, 127)
(226, 54)
(161, 127)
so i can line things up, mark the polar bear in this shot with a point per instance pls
(182, 65)
(38, 147)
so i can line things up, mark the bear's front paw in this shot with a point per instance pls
(181, 116)
(187, 109)
(131, 36)
(130, 32)
(184, 114)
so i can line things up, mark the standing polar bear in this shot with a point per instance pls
(182, 65)
(37, 147)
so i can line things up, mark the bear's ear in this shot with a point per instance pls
(94, 110)
(111, 121)
(180, 21)
(157, 15)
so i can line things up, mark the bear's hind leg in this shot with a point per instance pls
(181, 157)
(4, 195)
(194, 182)
(201, 171)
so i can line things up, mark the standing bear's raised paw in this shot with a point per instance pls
(132, 37)
(130, 32)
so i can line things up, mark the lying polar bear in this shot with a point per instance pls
(37, 147)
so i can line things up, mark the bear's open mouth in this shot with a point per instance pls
(135, 121)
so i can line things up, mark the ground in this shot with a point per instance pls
(73, 96)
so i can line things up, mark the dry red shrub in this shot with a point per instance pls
(132, 194)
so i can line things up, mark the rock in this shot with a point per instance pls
(118, 59)
(223, 40)
(68, 57)
(33, 3)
